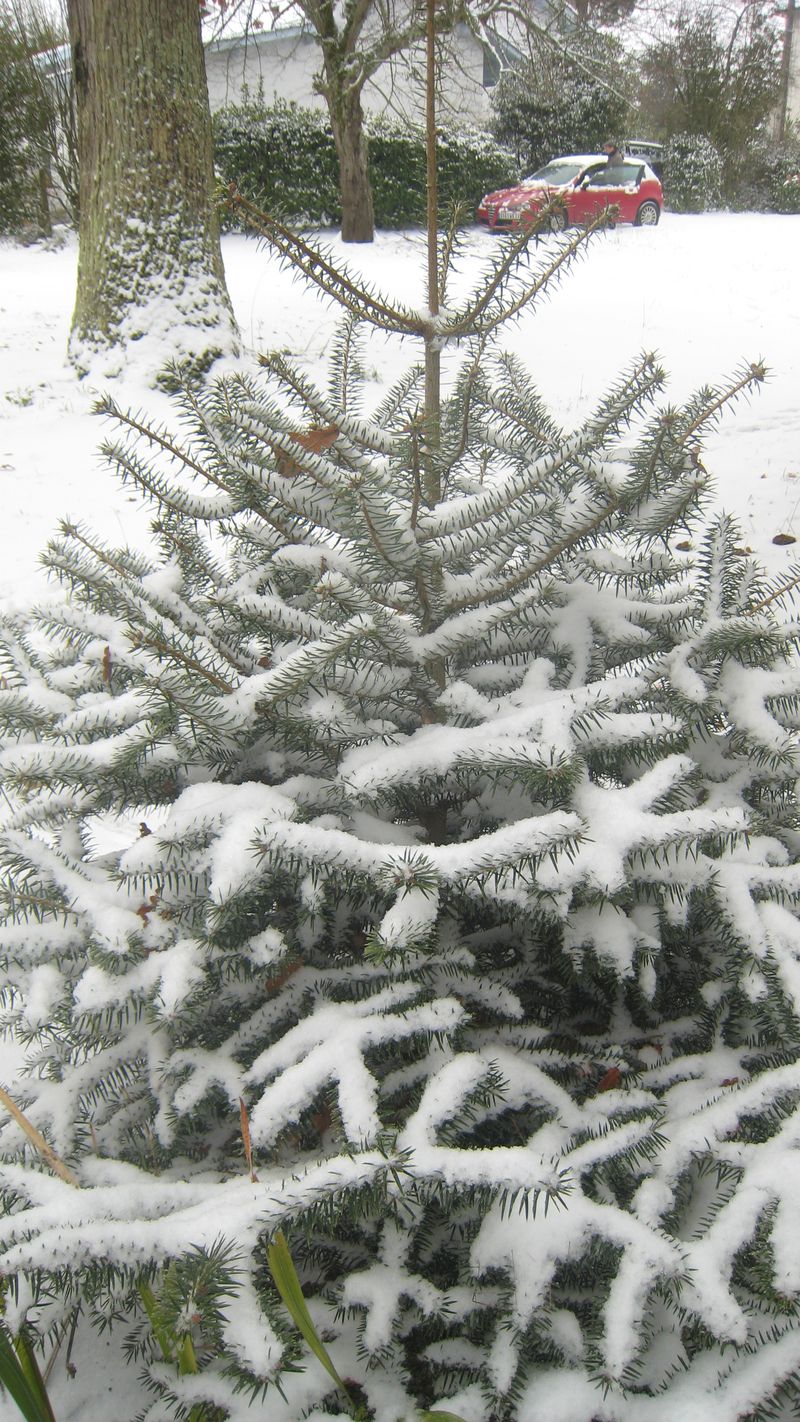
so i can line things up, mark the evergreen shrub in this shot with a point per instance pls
(693, 174)
(38, 165)
(408, 869)
(768, 179)
(571, 113)
(284, 157)
(23, 148)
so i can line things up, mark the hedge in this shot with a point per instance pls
(768, 179)
(284, 158)
(692, 174)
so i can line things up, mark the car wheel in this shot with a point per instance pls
(648, 215)
(558, 219)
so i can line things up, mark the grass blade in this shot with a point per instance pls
(287, 1283)
(163, 1338)
(20, 1376)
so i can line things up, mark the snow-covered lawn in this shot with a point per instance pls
(706, 293)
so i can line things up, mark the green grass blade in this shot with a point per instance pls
(163, 1338)
(20, 1376)
(30, 1367)
(174, 1349)
(437, 1416)
(288, 1285)
(187, 1358)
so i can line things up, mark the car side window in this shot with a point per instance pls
(607, 177)
(617, 176)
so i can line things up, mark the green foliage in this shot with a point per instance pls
(768, 178)
(21, 1379)
(692, 174)
(23, 154)
(451, 831)
(555, 104)
(37, 142)
(468, 161)
(284, 1274)
(284, 157)
(184, 1306)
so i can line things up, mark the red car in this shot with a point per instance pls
(584, 183)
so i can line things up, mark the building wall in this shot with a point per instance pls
(282, 65)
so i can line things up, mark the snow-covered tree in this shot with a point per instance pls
(405, 860)
(150, 280)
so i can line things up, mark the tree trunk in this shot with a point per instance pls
(347, 122)
(150, 269)
(786, 69)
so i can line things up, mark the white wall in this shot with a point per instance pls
(399, 86)
(282, 65)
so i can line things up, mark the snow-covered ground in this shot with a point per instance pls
(706, 293)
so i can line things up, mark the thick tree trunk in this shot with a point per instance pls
(347, 122)
(150, 269)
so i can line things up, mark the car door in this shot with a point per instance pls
(586, 197)
(627, 199)
(615, 185)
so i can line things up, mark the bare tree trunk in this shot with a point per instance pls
(347, 122)
(150, 269)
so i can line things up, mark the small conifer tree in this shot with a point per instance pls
(404, 860)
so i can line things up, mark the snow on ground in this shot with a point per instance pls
(706, 293)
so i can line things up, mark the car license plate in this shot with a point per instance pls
(506, 214)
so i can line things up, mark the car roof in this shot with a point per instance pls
(576, 158)
(586, 158)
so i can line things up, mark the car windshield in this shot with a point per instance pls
(557, 173)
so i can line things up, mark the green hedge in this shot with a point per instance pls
(767, 178)
(284, 158)
(692, 174)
